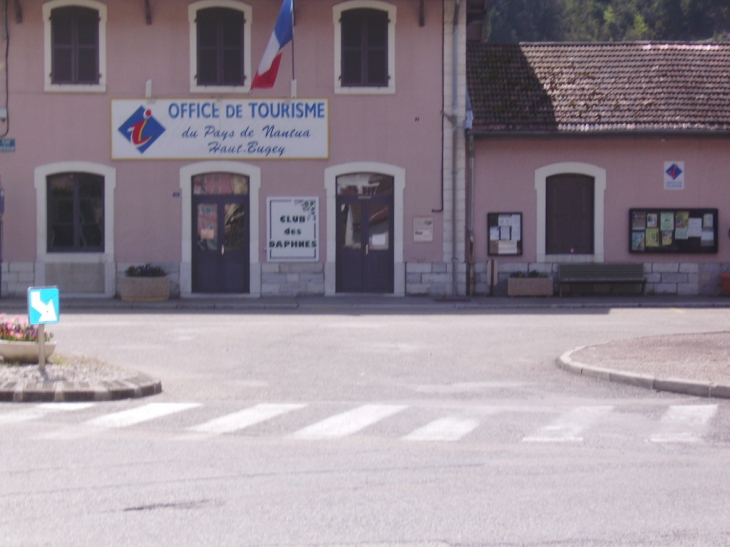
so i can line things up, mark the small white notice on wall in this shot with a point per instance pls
(674, 175)
(293, 233)
(422, 229)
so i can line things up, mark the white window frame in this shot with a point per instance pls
(48, 7)
(599, 177)
(186, 193)
(337, 15)
(192, 16)
(399, 186)
(105, 257)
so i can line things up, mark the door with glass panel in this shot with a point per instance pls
(364, 233)
(220, 254)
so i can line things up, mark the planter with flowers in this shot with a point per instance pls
(144, 283)
(529, 284)
(19, 341)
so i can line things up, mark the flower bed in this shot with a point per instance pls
(19, 341)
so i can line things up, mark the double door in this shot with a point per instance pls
(365, 243)
(220, 257)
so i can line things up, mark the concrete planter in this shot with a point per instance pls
(144, 289)
(530, 286)
(23, 352)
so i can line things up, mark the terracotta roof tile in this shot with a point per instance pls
(569, 88)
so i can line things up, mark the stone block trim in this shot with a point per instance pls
(16, 278)
(434, 278)
(673, 278)
(665, 278)
(292, 278)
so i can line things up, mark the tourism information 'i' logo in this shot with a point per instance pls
(141, 129)
(674, 171)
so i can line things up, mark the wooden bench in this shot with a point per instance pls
(600, 273)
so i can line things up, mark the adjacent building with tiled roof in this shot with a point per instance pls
(644, 176)
(599, 88)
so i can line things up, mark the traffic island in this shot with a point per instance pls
(73, 378)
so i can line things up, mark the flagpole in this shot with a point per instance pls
(293, 72)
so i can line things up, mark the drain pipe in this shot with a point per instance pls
(470, 214)
(454, 151)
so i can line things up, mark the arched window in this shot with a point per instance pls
(570, 205)
(75, 227)
(220, 46)
(364, 47)
(75, 45)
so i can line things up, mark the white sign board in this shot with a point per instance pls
(674, 175)
(422, 229)
(293, 230)
(220, 129)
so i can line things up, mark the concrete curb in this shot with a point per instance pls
(134, 387)
(646, 381)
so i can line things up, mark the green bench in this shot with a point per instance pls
(600, 273)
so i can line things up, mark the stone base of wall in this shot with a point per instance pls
(434, 278)
(172, 269)
(663, 278)
(291, 279)
(16, 278)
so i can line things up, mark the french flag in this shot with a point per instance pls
(282, 35)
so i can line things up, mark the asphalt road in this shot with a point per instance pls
(342, 428)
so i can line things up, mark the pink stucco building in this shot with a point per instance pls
(131, 135)
(609, 153)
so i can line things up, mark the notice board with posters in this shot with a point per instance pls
(504, 231)
(669, 230)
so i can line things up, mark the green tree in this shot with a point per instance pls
(524, 21)
(608, 20)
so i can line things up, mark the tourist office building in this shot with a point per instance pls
(131, 134)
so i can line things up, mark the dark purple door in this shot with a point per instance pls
(365, 243)
(220, 258)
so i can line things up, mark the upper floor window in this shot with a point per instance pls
(220, 46)
(364, 47)
(75, 211)
(75, 38)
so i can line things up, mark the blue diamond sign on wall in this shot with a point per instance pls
(43, 305)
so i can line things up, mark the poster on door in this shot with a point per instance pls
(292, 229)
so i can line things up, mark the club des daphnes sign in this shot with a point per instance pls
(225, 129)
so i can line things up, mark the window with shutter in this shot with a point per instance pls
(364, 47)
(220, 45)
(75, 38)
(569, 207)
(75, 45)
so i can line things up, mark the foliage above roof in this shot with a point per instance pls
(609, 87)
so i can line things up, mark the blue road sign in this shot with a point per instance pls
(43, 305)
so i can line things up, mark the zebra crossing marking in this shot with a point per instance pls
(678, 423)
(444, 429)
(244, 418)
(569, 426)
(39, 411)
(134, 416)
(348, 422)
(684, 423)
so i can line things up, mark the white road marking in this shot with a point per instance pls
(140, 414)
(684, 423)
(569, 426)
(445, 429)
(348, 423)
(38, 411)
(244, 418)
